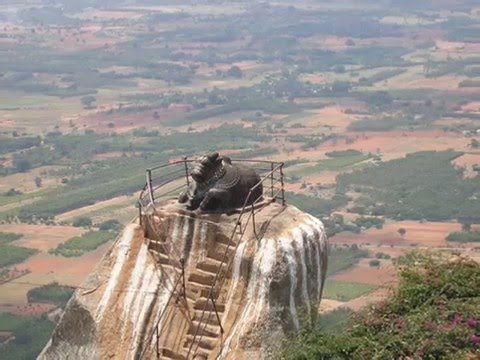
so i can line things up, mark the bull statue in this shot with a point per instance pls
(219, 185)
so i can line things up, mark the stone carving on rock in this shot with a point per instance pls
(220, 185)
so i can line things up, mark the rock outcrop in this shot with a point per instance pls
(181, 286)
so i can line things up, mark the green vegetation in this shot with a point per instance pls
(10, 254)
(374, 263)
(345, 291)
(433, 314)
(423, 185)
(342, 153)
(368, 222)
(52, 293)
(80, 245)
(110, 225)
(318, 207)
(336, 163)
(82, 222)
(463, 237)
(340, 259)
(31, 335)
(8, 237)
(17, 143)
(334, 322)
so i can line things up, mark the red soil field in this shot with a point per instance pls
(101, 122)
(365, 274)
(421, 234)
(68, 271)
(41, 237)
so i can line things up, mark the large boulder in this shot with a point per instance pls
(265, 281)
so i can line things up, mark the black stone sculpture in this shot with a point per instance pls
(220, 185)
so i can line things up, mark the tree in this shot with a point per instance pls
(235, 71)
(22, 165)
(82, 222)
(475, 144)
(88, 101)
(38, 182)
(402, 232)
(110, 225)
(466, 226)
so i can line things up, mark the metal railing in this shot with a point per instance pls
(167, 180)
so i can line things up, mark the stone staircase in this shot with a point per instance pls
(203, 331)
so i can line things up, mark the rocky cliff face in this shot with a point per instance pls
(181, 286)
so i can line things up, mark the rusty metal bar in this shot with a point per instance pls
(158, 342)
(186, 170)
(271, 179)
(182, 261)
(149, 184)
(283, 185)
(140, 213)
(216, 313)
(253, 221)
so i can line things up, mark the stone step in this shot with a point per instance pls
(200, 342)
(204, 303)
(211, 266)
(202, 278)
(209, 318)
(219, 255)
(170, 354)
(157, 246)
(205, 293)
(200, 354)
(225, 240)
(207, 330)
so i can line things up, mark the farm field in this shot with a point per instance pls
(374, 108)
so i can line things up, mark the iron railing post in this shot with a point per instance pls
(140, 213)
(182, 261)
(282, 184)
(253, 221)
(150, 187)
(216, 313)
(271, 179)
(158, 342)
(186, 170)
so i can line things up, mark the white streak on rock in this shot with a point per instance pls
(262, 267)
(237, 262)
(134, 283)
(299, 240)
(287, 248)
(147, 296)
(121, 257)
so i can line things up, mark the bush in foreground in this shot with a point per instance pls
(433, 314)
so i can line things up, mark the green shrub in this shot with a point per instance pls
(52, 293)
(82, 222)
(368, 222)
(433, 314)
(110, 225)
(374, 263)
